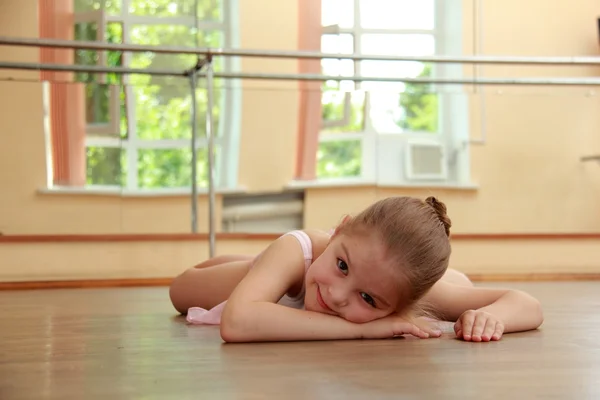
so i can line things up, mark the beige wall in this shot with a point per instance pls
(163, 259)
(110, 260)
(528, 174)
(269, 111)
(18, 18)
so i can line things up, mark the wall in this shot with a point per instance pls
(532, 134)
(106, 259)
(269, 112)
(18, 18)
(528, 174)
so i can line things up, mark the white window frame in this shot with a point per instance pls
(453, 133)
(226, 139)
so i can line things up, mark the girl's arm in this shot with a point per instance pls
(252, 315)
(473, 307)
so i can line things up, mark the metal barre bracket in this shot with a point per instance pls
(199, 65)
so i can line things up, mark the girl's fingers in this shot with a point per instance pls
(489, 330)
(416, 331)
(458, 327)
(406, 328)
(467, 325)
(498, 331)
(478, 327)
(430, 328)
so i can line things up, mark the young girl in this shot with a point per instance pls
(370, 279)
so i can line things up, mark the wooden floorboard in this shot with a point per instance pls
(127, 343)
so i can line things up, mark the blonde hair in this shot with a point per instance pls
(416, 234)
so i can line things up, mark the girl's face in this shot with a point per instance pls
(353, 279)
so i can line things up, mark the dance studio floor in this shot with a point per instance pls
(127, 344)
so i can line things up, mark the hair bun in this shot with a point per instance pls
(440, 210)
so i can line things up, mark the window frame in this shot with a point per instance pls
(452, 134)
(107, 135)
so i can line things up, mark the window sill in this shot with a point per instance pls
(109, 191)
(358, 182)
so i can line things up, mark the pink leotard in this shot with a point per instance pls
(197, 315)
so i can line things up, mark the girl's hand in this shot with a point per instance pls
(478, 326)
(394, 325)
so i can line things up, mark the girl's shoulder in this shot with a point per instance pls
(319, 240)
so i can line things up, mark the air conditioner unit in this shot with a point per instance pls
(425, 161)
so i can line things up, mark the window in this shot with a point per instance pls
(138, 128)
(391, 132)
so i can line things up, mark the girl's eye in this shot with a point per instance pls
(368, 299)
(342, 266)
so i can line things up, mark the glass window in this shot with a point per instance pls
(340, 158)
(397, 14)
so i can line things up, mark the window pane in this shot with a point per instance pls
(343, 111)
(342, 44)
(162, 112)
(388, 69)
(114, 34)
(163, 104)
(104, 166)
(86, 32)
(397, 14)
(340, 158)
(346, 86)
(337, 12)
(419, 106)
(110, 6)
(97, 103)
(397, 44)
(338, 68)
(210, 10)
(171, 168)
(385, 111)
(415, 108)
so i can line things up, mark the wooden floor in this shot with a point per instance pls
(127, 344)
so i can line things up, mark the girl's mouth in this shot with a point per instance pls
(321, 301)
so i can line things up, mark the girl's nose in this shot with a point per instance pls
(338, 296)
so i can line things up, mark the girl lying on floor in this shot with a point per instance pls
(376, 276)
